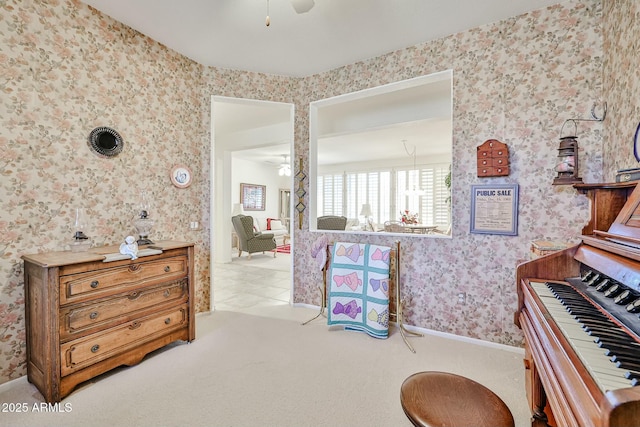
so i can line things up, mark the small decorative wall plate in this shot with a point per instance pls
(105, 142)
(181, 176)
(636, 143)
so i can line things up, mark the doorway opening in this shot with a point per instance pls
(251, 139)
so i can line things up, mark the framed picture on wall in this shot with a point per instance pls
(252, 197)
(494, 209)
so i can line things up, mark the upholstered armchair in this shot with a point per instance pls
(331, 222)
(250, 241)
(394, 226)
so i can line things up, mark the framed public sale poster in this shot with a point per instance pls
(494, 209)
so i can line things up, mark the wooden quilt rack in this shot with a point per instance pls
(396, 302)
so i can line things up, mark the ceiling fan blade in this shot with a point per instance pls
(302, 6)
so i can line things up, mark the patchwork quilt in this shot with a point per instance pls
(358, 288)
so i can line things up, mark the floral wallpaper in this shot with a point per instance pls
(66, 68)
(516, 81)
(621, 84)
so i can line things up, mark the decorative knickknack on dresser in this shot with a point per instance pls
(86, 315)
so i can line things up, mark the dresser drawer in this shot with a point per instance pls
(96, 284)
(89, 317)
(83, 352)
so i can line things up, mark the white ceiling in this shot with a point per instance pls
(372, 125)
(232, 33)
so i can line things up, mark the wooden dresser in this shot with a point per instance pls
(85, 316)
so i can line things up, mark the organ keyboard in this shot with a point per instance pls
(578, 309)
(590, 343)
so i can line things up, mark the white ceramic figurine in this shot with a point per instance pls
(129, 247)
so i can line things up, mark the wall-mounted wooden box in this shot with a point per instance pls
(493, 159)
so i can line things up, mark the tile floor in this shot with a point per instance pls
(246, 285)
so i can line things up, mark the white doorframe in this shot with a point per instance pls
(220, 197)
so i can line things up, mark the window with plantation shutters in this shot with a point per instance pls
(368, 187)
(421, 191)
(441, 197)
(330, 192)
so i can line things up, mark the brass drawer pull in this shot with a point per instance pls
(95, 284)
(93, 315)
(133, 295)
(167, 269)
(135, 325)
(95, 348)
(167, 293)
(167, 320)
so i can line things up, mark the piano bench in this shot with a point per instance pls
(434, 399)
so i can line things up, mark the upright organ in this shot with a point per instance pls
(578, 309)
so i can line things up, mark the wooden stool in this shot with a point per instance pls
(438, 399)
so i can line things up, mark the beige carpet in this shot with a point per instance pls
(246, 370)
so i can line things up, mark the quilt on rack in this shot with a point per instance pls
(358, 288)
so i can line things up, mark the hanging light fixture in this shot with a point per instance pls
(302, 6)
(268, 20)
(414, 190)
(285, 168)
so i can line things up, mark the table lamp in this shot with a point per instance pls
(366, 213)
(238, 209)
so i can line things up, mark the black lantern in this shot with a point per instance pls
(567, 164)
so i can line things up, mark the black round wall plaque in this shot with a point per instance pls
(105, 142)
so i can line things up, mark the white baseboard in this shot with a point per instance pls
(448, 335)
